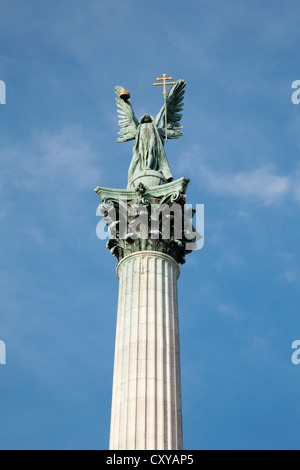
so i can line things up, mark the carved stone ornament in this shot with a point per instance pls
(149, 218)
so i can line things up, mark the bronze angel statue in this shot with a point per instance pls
(150, 134)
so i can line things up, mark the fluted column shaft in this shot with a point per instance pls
(146, 402)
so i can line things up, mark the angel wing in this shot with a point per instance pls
(127, 120)
(173, 106)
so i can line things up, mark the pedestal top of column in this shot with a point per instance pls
(149, 254)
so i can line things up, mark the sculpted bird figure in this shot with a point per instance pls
(149, 133)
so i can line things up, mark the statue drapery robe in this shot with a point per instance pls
(149, 152)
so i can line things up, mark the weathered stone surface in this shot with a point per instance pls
(146, 403)
(152, 219)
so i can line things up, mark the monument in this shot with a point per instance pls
(150, 235)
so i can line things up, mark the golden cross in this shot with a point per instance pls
(164, 83)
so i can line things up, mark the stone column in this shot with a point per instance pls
(146, 403)
(150, 235)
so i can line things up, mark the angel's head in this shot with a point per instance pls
(146, 118)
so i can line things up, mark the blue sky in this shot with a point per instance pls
(239, 296)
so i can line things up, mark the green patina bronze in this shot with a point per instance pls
(150, 185)
(149, 136)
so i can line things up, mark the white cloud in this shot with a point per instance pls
(65, 157)
(259, 345)
(291, 275)
(58, 166)
(295, 182)
(231, 311)
(36, 235)
(55, 171)
(262, 185)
